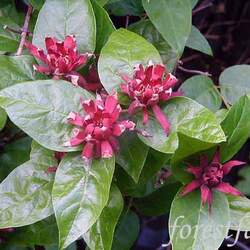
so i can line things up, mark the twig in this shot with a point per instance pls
(24, 31)
(6, 27)
(191, 71)
(201, 8)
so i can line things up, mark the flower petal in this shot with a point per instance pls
(160, 116)
(203, 161)
(106, 149)
(205, 194)
(190, 187)
(196, 171)
(216, 156)
(88, 151)
(75, 119)
(227, 189)
(36, 52)
(229, 165)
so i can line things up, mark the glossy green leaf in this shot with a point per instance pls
(37, 4)
(148, 177)
(16, 69)
(26, 192)
(158, 202)
(126, 232)
(146, 29)
(186, 117)
(9, 41)
(3, 118)
(13, 155)
(236, 127)
(191, 226)
(102, 2)
(42, 233)
(198, 42)
(132, 155)
(59, 18)
(235, 82)
(202, 90)
(243, 183)
(121, 53)
(221, 115)
(172, 18)
(80, 193)
(194, 2)
(40, 109)
(104, 26)
(100, 236)
(239, 213)
(125, 7)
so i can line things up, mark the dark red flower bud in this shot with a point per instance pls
(148, 87)
(209, 177)
(99, 127)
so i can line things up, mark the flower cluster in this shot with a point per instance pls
(148, 87)
(209, 177)
(61, 61)
(99, 128)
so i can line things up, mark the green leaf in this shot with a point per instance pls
(235, 82)
(102, 2)
(158, 202)
(25, 193)
(236, 127)
(146, 183)
(198, 42)
(13, 155)
(59, 18)
(121, 53)
(16, 69)
(193, 3)
(40, 109)
(146, 29)
(132, 155)
(243, 183)
(80, 193)
(202, 90)
(177, 15)
(126, 232)
(191, 226)
(125, 7)
(42, 233)
(239, 213)
(3, 118)
(9, 41)
(100, 235)
(221, 115)
(37, 4)
(186, 117)
(104, 26)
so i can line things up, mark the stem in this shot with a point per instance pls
(191, 71)
(24, 31)
(6, 27)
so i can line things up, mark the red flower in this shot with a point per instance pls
(209, 177)
(61, 61)
(147, 88)
(99, 128)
